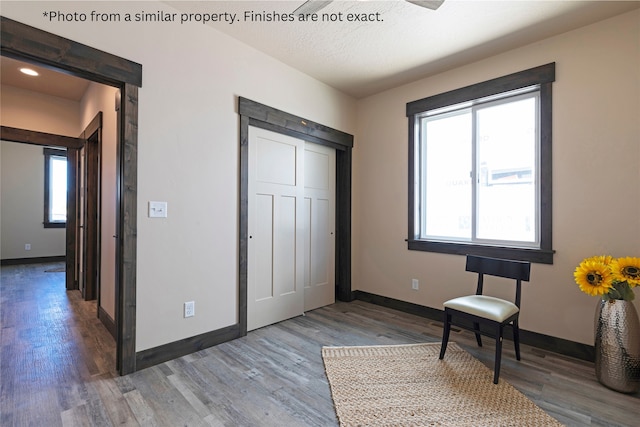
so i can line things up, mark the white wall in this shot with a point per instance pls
(22, 187)
(596, 178)
(99, 97)
(188, 154)
(25, 109)
(22, 195)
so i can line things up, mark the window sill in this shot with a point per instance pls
(540, 256)
(55, 224)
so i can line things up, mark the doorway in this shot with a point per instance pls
(254, 114)
(81, 236)
(30, 44)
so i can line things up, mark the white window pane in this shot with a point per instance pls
(506, 153)
(58, 189)
(446, 200)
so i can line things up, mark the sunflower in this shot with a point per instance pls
(605, 259)
(626, 269)
(593, 275)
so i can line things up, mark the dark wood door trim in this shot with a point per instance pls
(27, 43)
(127, 229)
(72, 218)
(255, 114)
(39, 138)
(93, 180)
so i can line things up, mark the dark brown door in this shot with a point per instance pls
(89, 221)
(72, 219)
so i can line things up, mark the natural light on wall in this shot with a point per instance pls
(58, 189)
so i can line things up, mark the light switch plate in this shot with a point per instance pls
(157, 209)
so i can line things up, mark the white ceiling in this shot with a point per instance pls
(412, 42)
(361, 59)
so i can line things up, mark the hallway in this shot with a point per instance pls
(52, 345)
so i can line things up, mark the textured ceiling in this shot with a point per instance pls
(363, 58)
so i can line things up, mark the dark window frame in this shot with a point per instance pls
(543, 76)
(48, 154)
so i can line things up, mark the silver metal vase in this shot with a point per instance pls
(617, 345)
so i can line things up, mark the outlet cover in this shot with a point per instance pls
(415, 284)
(189, 309)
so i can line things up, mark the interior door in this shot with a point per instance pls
(275, 289)
(319, 218)
(88, 242)
(81, 197)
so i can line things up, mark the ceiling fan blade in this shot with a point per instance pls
(429, 4)
(311, 6)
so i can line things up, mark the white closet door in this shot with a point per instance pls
(276, 231)
(319, 193)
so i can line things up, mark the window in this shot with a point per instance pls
(55, 188)
(480, 169)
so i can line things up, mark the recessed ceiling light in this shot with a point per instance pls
(29, 71)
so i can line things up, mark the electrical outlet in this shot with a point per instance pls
(189, 309)
(27, 246)
(415, 284)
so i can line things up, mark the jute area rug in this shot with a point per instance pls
(407, 385)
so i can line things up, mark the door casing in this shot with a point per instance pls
(262, 116)
(30, 44)
(90, 210)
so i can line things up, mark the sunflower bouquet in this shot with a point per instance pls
(608, 277)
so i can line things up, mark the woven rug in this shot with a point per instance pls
(407, 385)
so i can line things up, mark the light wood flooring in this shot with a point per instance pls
(57, 367)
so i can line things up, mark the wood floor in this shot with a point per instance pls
(57, 367)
